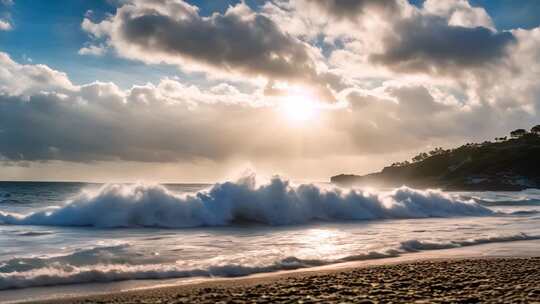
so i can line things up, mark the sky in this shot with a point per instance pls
(199, 91)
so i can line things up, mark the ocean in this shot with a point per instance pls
(56, 234)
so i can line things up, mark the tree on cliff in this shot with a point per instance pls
(518, 133)
(535, 130)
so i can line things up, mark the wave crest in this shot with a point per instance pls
(277, 202)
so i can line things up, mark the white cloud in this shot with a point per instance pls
(239, 43)
(95, 50)
(450, 45)
(28, 79)
(459, 13)
(5, 25)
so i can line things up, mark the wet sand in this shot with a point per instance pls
(496, 280)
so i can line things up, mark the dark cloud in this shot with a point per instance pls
(353, 8)
(429, 44)
(412, 114)
(240, 42)
(229, 42)
(50, 127)
(99, 122)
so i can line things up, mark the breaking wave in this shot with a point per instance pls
(277, 202)
(105, 265)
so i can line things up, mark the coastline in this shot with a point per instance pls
(471, 260)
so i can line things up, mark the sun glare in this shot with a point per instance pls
(299, 108)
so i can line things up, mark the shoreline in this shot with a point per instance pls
(129, 291)
(468, 280)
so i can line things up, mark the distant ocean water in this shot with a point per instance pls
(66, 233)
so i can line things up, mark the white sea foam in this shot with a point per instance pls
(277, 202)
(417, 245)
(98, 265)
(50, 276)
(517, 202)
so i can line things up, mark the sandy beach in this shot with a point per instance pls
(492, 280)
(497, 272)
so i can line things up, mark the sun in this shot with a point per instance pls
(299, 108)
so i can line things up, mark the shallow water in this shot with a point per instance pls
(270, 237)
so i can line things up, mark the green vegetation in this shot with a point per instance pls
(506, 164)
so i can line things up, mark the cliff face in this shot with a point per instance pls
(510, 165)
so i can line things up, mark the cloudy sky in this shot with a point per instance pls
(179, 91)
